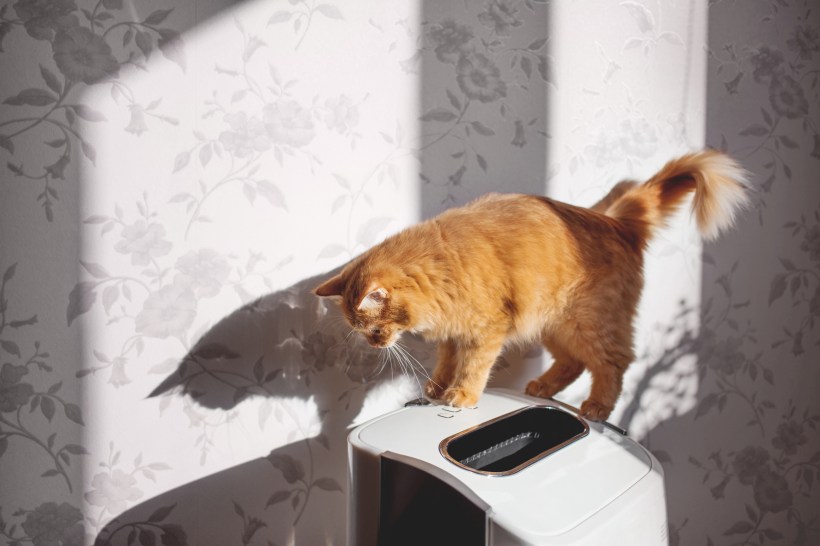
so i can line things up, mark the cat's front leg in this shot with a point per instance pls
(443, 372)
(475, 360)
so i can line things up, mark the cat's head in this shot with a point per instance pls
(374, 305)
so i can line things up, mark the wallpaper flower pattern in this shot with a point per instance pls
(235, 356)
(757, 352)
(164, 365)
(485, 80)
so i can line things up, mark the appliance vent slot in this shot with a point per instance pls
(514, 441)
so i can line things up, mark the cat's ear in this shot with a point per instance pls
(334, 286)
(373, 300)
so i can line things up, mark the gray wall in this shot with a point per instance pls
(165, 370)
(742, 465)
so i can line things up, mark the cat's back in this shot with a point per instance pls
(498, 203)
(503, 229)
(502, 215)
(528, 229)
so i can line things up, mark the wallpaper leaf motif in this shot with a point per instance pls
(81, 42)
(302, 480)
(146, 532)
(150, 287)
(21, 404)
(154, 290)
(49, 523)
(477, 53)
(773, 462)
(301, 15)
(115, 488)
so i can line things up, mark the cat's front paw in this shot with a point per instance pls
(595, 411)
(433, 389)
(460, 398)
(539, 389)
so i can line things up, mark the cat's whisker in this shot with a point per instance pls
(405, 358)
(408, 359)
(389, 356)
(392, 369)
(413, 359)
(402, 360)
(419, 383)
(414, 363)
(391, 350)
(383, 359)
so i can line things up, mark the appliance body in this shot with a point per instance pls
(516, 470)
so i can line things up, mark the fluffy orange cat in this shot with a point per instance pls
(519, 268)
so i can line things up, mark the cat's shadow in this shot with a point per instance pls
(292, 349)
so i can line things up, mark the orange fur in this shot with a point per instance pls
(520, 268)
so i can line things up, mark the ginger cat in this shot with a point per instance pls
(520, 268)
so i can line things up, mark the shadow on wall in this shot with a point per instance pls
(483, 118)
(279, 355)
(480, 75)
(293, 347)
(288, 346)
(483, 121)
(742, 465)
(485, 80)
(484, 84)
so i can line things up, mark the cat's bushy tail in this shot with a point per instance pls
(718, 184)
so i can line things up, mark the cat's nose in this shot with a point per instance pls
(376, 339)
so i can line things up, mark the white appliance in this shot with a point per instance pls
(515, 470)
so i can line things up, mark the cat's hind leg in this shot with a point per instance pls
(607, 382)
(564, 370)
(605, 353)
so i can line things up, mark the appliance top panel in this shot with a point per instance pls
(548, 497)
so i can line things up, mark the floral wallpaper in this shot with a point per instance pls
(176, 177)
(620, 107)
(484, 83)
(755, 450)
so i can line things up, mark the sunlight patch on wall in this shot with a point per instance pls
(386, 396)
(231, 168)
(628, 95)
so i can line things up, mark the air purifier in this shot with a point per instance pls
(515, 470)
